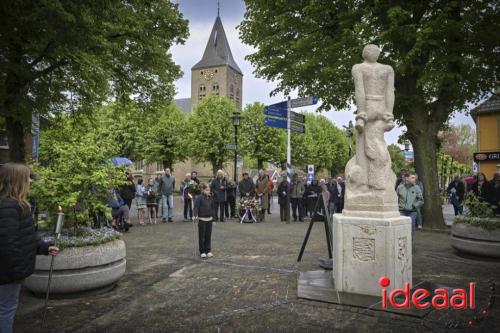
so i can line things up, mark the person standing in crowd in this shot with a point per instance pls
(151, 200)
(337, 191)
(158, 196)
(262, 191)
(230, 208)
(246, 187)
(495, 193)
(270, 186)
(127, 191)
(481, 187)
(219, 190)
(140, 200)
(19, 243)
(119, 211)
(420, 184)
(167, 185)
(296, 193)
(283, 191)
(409, 199)
(203, 213)
(187, 193)
(194, 177)
(311, 194)
(456, 193)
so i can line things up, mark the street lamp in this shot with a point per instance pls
(407, 145)
(236, 122)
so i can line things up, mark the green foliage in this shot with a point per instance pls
(259, 142)
(397, 158)
(72, 55)
(74, 169)
(323, 145)
(210, 130)
(165, 134)
(479, 213)
(444, 53)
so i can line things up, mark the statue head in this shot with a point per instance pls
(371, 52)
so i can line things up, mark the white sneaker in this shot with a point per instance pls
(203, 255)
(419, 226)
(210, 255)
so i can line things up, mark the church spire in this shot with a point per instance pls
(218, 8)
(217, 51)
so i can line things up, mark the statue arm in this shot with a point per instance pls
(359, 89)
(389, 91)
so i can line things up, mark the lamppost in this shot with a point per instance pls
(236, 122)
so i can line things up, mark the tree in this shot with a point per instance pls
(459, 142)
(68, 55)
(165, 136)
(444, 53)
(259, 142)
(323, 145)
(211, 130)
(74, 169)
(397, 158)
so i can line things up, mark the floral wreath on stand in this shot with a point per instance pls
(248, 207)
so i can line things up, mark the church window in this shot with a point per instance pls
(231, 92)
(215, 86)
(215, 71)
(202, 87)
(237, 96)
(201, 73)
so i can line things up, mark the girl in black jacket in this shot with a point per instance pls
(203, 213)
(19, 243)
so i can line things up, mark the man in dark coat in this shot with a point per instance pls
(246, 186)
(283, 191)
(127, 191)
(219, 191)
(337, 191)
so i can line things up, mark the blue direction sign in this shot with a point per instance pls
(300, 118)
(273, 122)
(303, 101)
(276, 110)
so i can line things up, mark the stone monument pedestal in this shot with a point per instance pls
(368, 248)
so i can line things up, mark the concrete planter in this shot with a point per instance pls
(475, 240)
(80, 269)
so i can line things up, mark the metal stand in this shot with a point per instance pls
(320, 215)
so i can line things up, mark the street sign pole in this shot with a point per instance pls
(288, 160)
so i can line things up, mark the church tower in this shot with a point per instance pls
(217, 72)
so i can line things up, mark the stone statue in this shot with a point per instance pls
(370, 179)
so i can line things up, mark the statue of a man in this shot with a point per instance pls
(370, 169)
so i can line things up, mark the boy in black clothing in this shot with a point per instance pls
(203, 213)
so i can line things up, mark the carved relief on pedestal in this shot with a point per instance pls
(402, 248)
(363, 249)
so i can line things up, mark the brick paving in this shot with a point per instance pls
(250, 285)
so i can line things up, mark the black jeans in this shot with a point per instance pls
(205, 236)
(219, 210)
(283, 212)
(230, 206)
(188, 206)
(297, 205)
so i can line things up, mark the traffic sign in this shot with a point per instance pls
(300, 118)
(310, 169)
(274, 122)
(310, 177)
(303, 101)
(276, 110)
(297, 127)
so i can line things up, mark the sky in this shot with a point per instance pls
(201, 15)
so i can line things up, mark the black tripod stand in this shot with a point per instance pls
(321, 214)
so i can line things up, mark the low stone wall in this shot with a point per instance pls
(80, 269)
(475, 240)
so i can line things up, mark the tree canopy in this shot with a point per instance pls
(210, 130)
(259, 142)
(67, 55)
(444, 53)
